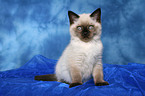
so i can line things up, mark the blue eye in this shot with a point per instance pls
(79, 28)
(91, 27)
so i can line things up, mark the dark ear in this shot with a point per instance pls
(72, 17)
(96, 15)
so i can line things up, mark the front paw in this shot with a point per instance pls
(102, 83)
(74, 84)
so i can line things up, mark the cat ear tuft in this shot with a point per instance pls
(96, 15)
(72, 17)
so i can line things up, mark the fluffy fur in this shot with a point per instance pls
(81, 54)
(82, 58)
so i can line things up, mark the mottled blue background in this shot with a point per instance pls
(31, 27)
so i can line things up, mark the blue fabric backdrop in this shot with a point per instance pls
(30, 27)
(124, 80)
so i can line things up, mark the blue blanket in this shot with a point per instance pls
(124, 80)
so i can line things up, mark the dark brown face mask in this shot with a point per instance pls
(85, 31)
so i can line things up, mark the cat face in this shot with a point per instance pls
(85, 26)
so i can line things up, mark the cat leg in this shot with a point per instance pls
(76, 76)
(98, 76)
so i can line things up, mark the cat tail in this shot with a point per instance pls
(48, 77)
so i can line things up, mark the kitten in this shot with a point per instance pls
(82, 58)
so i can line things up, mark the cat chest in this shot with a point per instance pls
(85, 57)
(85, 54)
(85, 65)
(85, 60)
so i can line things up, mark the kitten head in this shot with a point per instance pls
(86, 27)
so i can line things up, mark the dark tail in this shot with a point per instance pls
(48, 77)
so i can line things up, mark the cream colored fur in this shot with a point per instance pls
(81, 60)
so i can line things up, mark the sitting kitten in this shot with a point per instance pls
(82, 58)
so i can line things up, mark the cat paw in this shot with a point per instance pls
(74, 84)
(102, 83)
